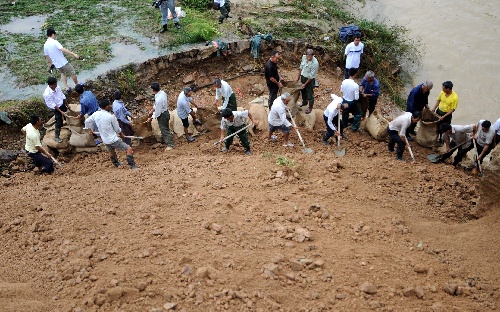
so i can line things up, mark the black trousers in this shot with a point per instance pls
(394, 139)
(461, 152)
(41, 161)
(273, 94)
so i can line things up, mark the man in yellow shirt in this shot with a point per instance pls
(40, 156)
(446, 104)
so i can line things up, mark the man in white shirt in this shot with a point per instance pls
(162, 115)
(496, 128)
(397, 132)
(331, 118)
(353, 53)
(184, 102)
(110, 133)
(53, 51)
(277, 119)
(56, 102)
(455, 135)
(350, 94)
(484, 139)
(40, 156)
(223, 89)
(307, 76)
(233, 121)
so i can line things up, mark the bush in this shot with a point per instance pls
(201, 5)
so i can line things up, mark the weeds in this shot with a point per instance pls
(284, 161)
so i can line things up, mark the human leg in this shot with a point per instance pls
(163, 124)
(273, 94)
(448, 154)
(43, 162)
(356, 111)
(229, 141)
(243, 136)
(127, 130)
(329, 131)
(164, 16)
(461, 153)
(231, 104)
(371, 105)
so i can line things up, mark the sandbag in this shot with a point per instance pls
(65, 134)
(427, 133)
(292, 87)
(178, 128)
(156, 129)
(81, 139)
(305, 120)
(50, 123)
(319, 123)
(141, 127)
(377, 126)
(74, 121)
(259, 113)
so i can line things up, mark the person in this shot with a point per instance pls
(165, 6)
(121, 113)
(184, 110)
(53, 51)
(370, 89)
(455, 135)
(231, 122)
(307, 76)
(40, 156)
(496, 128)
(110, 133)
(273, 78)
(353, 53)
(162, 115)
(277, 119)
(417, 100)
(350, 94)
(484, 139)
(223, 89)
(397, 132)
(224, 8)
(56, 102)
(331, 118)
(446, 104)
(88, 102)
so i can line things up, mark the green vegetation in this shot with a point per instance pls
(284, 161)
(20, 111)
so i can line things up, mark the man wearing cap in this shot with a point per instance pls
(223, 89)
(273, 78)
(184, 110)
(484, 139)
(397, 132)
(121, 114)
(370, 89)
(233, 121)
(277, 119)
(417, 100)
(307, 75)
(160, 112)
(40, 156)
(88, 102)
(350, 94)
(56, 102)
(331, 118)
(53, 51)
(455, 135)
(110, 134)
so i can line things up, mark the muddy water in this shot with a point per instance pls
(460, 40)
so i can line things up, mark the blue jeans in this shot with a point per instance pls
(164, 7)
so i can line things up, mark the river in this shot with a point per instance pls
(459, 43)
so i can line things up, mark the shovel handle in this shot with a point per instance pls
(233, 134)
(409, 149)
(126, 136)
(58, 164)
(477, 158)
(297, 129)
(338, 129)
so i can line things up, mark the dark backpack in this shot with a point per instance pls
(348, 31)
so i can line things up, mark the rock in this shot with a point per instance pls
(368, 288)
(257, 89)
(279, 174)
(271, 267)
(409, 292)
(419, 292)
(112, 211)
(206, 225)
(188, 79)
(248, 67)
(216, 228)
(142, 286)
(374, 304)
(157, 232)
(319, 263)
(187, 270)
(115, 294)
(169, 306)
(340, 296)
(302, 234)
(7, 155)
(202, 272)
(291, 276)
(295, 265)
(421, 269)
(450, 289)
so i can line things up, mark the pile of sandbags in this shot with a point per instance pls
(377, 126)
(427, 133)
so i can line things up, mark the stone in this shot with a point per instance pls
(115, 294)
(419, 292)
(450, 289)
(421, 269)
(296, 265)
(271, 267)
(216, 228)
(302, 234)
(368, 288)
(142, 286)
(202, 272)
(257, 89)
(319, 263)
(169, 306)
(409, 292)
(279, 174)
(8, 155)
(188, 79)
(248, 67)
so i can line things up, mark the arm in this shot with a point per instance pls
(485, 149)
(223, 129)
(276, 82)
(330, 122)
(436, 105)
(195, 105)
(356, 94)
(447, 142)
(48, 59)
(69, 52)
(448, 113)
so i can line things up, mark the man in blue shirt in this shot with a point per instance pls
(88, 102)
(370, 89)
(121, 114)
(417, 100)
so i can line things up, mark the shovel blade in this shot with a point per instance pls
(434, 158)
(307, 150)
(340, 152)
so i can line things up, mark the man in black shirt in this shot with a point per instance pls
(273, 78)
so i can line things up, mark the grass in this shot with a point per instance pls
(284, 161)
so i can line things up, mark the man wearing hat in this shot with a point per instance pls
(331, 117)
(184, 110)
(160, 112)
(231, 122)
(223, 89)
(307, 75)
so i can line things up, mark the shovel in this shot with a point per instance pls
(477, 159)
(233, 134)
(126, 136)
(58, 164)
(409, 149)
(435, 158)
(305, 149)
(338, 151)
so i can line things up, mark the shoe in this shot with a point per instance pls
(221, 20)
(248, 152)
(133, 168)
(400, 159)
(308, 110)
(409, 138)
(391, 150)
(198, 122)
(118, 164)
(190, 139)
(177, 26)
(164, 28)
(302, 104)
(325, 142)
(288, 144)
(224, 150)
(58, 140)
(168, 148)
(273, 138)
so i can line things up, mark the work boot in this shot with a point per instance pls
(164, 29)
(248, 152)
(57, 132)
(131, 162)
(177, 25)
(190, 139)
(114, 160)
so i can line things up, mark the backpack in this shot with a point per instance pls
(216, 5)
(347, 31)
